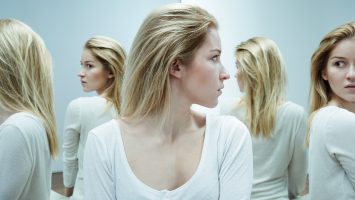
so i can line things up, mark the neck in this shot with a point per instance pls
(336, 101)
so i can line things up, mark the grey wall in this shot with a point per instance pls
(66, 25)
(296, 26)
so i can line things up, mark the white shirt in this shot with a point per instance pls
(332, 154)
(224, 171)
(280, 162)
(25, 169)
(82, 115)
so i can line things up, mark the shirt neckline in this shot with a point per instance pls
(148, 188)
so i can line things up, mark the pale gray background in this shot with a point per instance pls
(296, 26)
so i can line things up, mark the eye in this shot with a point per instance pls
(89, 66)
(215, 58)
(339, 63)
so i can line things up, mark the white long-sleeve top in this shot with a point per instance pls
(25, 161)
(280, 162)
(224, 171)
(82, 115)
(332, 154)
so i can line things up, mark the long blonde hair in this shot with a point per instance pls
(26, 75)
(112, 55)
(264, 79)
(320, 92)
(170, 33)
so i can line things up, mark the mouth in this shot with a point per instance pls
(350, 86)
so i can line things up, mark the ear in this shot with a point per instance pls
(324, 74)
(175, 69)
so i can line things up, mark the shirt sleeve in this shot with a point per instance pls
(297, 169)
(340, 142)
(16, 163)
(71, 139)
(236, 170)
(98, 175)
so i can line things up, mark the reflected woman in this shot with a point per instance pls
(102, 64)
(332, 120)
(28, 138)
(277, 126)
(159, 148)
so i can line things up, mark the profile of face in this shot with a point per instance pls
(239, 76)
(340, 72)
(203, 77)
(93, 75)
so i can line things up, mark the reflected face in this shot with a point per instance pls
(93, 75)
(340, 72)
(239, 76)
(203, 77)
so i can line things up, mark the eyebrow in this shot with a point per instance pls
(88, 61)
(218, 50)
(337, 57)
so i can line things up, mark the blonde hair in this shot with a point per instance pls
(111, 54)
(320, 92)
(26, 75)
(264, 79)
(173, 32)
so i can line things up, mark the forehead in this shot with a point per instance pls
(87, 55)
(345, 48)
(212, 40)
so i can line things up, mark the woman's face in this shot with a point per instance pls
(340, 72)
(203, 77)
(93, 75)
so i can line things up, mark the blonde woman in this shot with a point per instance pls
(277, 126)
(28, 137)
(159, 148)
(102, 63)
(332, 127)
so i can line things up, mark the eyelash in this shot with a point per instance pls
(215, 58)
(339, 63)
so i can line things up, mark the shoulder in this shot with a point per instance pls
(337, 118)
(106, 132)
(22, 125)
(87, 101)
(292, 109)
(228, 128)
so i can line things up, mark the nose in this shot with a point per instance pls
(351, 73)
(224, 75)
(81, 73)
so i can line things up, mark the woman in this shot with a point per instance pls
(332, 121)
(277, 126)
(102, 63)
(28, 138)
(159, 148)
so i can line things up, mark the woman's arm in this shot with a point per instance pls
(236, 171)
(99, 180)
(71, 139)
(16, 163)
(297, 169)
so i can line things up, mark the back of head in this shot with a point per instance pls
(170, 33)
(320, 90)
(112, 55)
(260, 62)
(26, 75)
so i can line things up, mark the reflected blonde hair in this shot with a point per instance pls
(320, 92)
(264, 79)
(170, 33)
(112, 55)
(26, 76)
